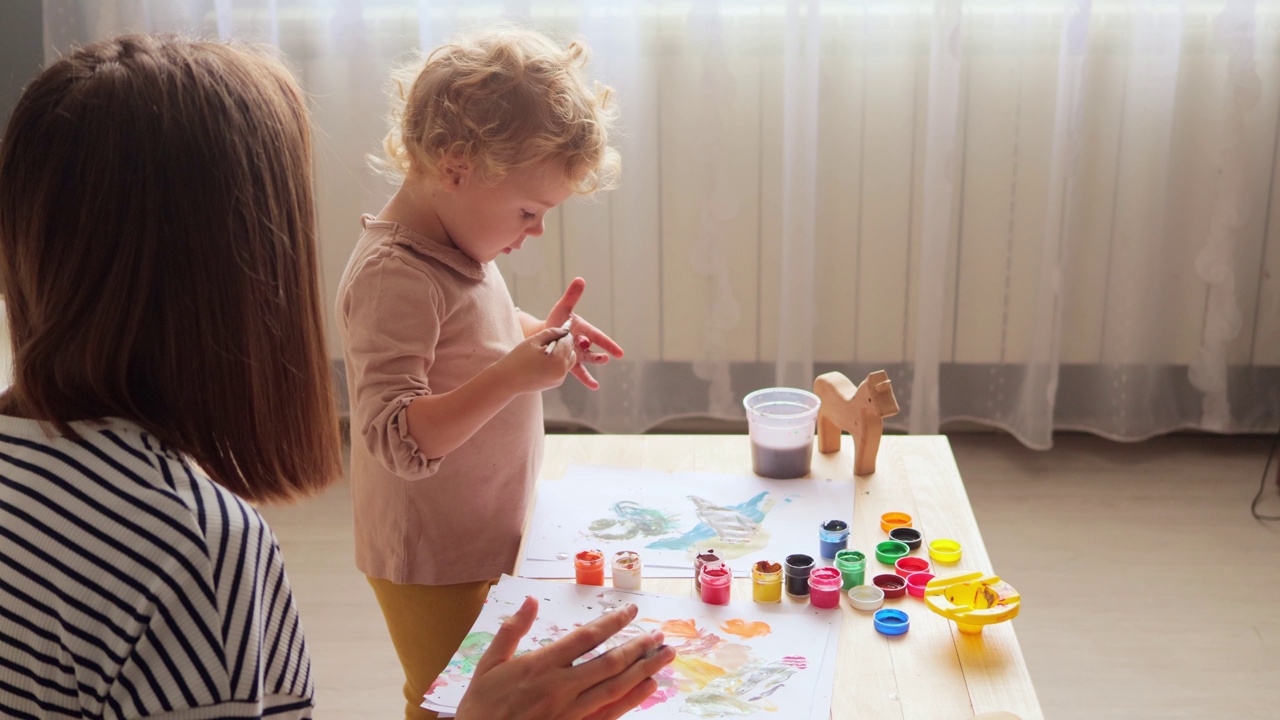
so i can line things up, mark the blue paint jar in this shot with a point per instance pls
(833, 536)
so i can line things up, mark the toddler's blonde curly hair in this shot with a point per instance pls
(502, 99)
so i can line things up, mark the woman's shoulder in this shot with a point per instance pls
(131, 534)
(122, 476)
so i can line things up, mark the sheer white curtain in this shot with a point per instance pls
(1036, 215)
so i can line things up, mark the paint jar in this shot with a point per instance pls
(781, 423)
(824, 587)
(833, 536)
(702, 558)
(717, 579)
(766, 582)
(852, 566)
(626, 570)
(797, 568)
(588, 567)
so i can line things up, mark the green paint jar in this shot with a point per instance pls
(852, 566)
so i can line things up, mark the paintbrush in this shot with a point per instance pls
(551, 346)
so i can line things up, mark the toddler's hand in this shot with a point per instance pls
(529, 368)
(585, 335)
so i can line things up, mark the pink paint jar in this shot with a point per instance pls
(824, 587)
(717, 579)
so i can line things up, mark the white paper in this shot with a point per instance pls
(669, 517)
(737, 660)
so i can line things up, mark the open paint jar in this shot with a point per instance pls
(702, 558)
(717, 580)
(833, 536)
(781, 422)
(852, 566)
(824, 587)
(626, 568)
(588, 567)
(766, 582)
(796, 569)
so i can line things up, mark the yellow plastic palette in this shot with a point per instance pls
(973, 600)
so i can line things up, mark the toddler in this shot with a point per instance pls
(489, 134)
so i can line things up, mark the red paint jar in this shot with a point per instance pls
(824, 587)
(717, 579)
(588, 567)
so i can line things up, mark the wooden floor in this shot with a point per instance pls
(1148, 590)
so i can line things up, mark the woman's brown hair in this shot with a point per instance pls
(158, 251)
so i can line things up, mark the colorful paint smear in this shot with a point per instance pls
(633, 519)
(734, 530)
(715, 677)
(759, 666)
(745, 629)
(473, 646)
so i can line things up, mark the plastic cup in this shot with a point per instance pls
(781, 422)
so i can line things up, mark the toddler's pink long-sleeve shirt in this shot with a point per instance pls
(417, 317)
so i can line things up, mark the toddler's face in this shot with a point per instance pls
(485, 221)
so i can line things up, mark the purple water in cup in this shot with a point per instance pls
(781, 422)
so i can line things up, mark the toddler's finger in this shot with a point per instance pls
(580, 371)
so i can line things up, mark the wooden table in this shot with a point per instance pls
(934, 672)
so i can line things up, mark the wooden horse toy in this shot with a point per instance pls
(860, 410)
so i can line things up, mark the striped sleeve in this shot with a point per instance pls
(133, 586)
(267, 666)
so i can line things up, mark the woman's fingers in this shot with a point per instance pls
(623, 705)
(609, 666)
(563, 652)
(508, 637)
(618, 672)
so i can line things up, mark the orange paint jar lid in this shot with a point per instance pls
(891, 520)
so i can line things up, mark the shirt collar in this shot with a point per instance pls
(451, 257)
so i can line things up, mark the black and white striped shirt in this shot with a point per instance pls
(133, 586)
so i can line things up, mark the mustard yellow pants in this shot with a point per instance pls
(427, 624)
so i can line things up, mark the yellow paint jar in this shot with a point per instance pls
(766, 582)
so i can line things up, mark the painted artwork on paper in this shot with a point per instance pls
(669, 517)
(773, 664)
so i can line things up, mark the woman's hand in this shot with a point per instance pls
(584, 334)
(546, 685)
